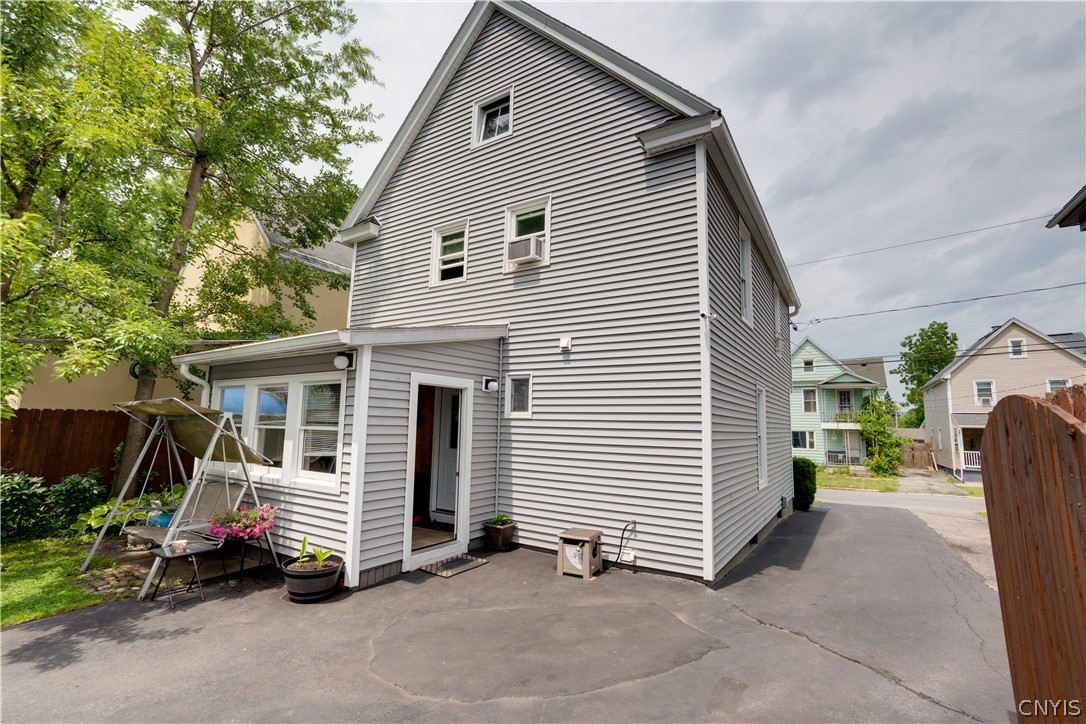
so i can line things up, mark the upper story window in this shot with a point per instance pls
(984, 392)
(450, 253)
(1017, 347)
(810, 400)
(527, 233)
(844, 399)
(294, 421)
(745, 281)
(808, 365)
(493, 118)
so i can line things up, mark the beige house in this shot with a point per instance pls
(1013, 358)
(116, 384)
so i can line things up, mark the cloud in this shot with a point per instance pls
(1033, 54)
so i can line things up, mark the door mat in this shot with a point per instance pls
(451, 566)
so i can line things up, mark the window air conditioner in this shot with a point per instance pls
(525, 249)
(986, 402)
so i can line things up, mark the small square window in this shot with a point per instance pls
(450, 253)
(1054, 385)
(519, 390)
(803, 439)
(808, 365)
(1017, 347)
(492, 119)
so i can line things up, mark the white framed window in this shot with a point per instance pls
(492, 118)
(803, 439)
(844, 399)
(528, 233)
(449, 253)
(810, 400)
(746, 283)
(763, 443)
(808, 365)
(984, 392)
(295, 421)
(1017, 348)
(1054, 385)
(518, 395)
(939, 436)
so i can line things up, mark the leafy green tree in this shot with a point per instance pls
(913, 418)
(884, 447)
(923, 354)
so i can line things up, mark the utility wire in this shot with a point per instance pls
(921, 241)
(819, 320)
(1034, 347)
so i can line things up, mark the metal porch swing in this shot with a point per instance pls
(208, 435)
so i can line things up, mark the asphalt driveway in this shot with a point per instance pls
(847, 613)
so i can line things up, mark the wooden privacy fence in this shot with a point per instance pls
(53, 444)
(917, 455)
(1034, 460)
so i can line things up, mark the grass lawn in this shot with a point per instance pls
(977, 491)
(853, 482)
(38, 579)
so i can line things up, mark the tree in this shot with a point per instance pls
(226, 102)
(923, 354)
(913, 418)
(876, 420)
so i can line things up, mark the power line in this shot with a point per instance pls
(819, 320)
(921, 241)
(1032, 348)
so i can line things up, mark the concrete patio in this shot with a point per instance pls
(847, 613)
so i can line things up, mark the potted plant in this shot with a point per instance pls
(244, 523)
(312, 575)
(499, 532)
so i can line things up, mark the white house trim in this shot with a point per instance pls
(341, 339)
(705, 330)
(359, 427)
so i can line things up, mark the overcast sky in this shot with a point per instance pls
(861, 125)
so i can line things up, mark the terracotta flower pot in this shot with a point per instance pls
(306, 585)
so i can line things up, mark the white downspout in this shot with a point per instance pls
(205, 387)
(498, 439)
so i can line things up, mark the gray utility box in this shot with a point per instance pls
(580, 552)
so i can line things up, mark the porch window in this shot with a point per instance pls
(1017, 347)
(984, 392)
(844, 399)
(294, 421)
(810, 400)
(1054, 385)
(803, 439)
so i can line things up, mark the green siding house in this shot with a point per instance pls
(826, 393)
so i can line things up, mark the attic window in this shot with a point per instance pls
(808, 365)
(493, 119)
(1017, 347)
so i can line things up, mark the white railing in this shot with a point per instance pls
(970, 459)
(839, 415)
(840, 458)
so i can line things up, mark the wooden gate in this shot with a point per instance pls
(917, 455)
(1034, 462)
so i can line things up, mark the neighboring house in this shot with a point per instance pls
(118, 383)
(1013, 358)
(1073, 213)
(567, 306)
(826, 394)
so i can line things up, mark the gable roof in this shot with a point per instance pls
(1073, 212)
(708, 123)
(1073, 342)
(333, 257)
(847, 379)
(870, 368)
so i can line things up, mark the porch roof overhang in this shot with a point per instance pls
(339, 339)
(970, 419)
(850, 381)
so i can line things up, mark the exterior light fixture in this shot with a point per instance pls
(490, 384)
(343, 361)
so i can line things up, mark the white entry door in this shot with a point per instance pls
(446, 465)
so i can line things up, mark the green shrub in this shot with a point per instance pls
(803, 478)
(74, 495)
(22, 505)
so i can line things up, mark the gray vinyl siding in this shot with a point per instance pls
(743, 356)
(615, 433)
(319, 515)
(387, 463)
